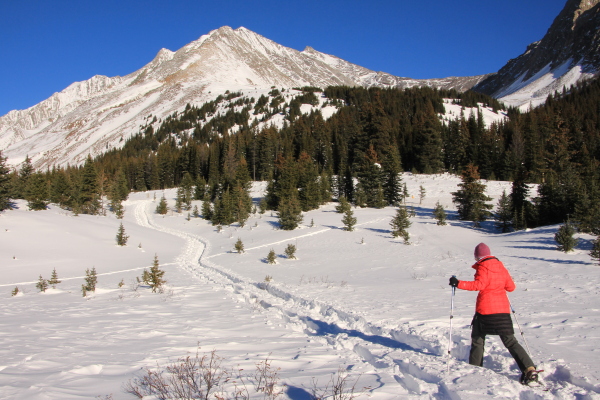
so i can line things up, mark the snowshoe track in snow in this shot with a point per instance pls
(415, 363)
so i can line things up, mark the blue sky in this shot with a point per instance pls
(47, 45)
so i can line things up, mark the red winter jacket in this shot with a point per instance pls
(492, 280)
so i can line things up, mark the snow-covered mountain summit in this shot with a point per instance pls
(568, 53)
(91, 116)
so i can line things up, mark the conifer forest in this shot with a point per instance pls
(356, 154)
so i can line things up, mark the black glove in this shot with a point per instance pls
(453, 281)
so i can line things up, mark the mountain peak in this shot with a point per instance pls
(92, 116)
(568, 52)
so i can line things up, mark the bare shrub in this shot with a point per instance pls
(339, 387)
(204, 377)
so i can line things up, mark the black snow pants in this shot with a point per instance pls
(510, 342)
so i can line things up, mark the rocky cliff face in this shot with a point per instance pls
(568, 52)
(98, 114)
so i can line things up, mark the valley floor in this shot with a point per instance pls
(359, 300)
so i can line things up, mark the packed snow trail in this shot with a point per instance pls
(415, 366)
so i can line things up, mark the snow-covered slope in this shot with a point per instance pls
(568, 53)
(361, 300)
(92, 116)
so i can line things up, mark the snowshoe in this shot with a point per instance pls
(529, 376)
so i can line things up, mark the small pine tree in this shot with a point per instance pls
(162, 207)
(439, 214)
(290, 251)
(15, 291)
(504, 214)
(118, 209)
(349, 220)
(195, 212)
(400, 223)
(154, 277)
(42, 284)
(564, 237)
(239, 246)
(180, 199)
(90, 281)
(271, 257)
(343, 206)
(262, 206)
(595, 253)
(207, 211)
(405, 193)
(422, 193)
(54, 279)
(121, 236)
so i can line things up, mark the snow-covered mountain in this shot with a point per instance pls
(92, 116)
(568, 53)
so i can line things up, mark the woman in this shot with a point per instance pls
(492, 311)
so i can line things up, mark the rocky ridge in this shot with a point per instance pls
(567, 53)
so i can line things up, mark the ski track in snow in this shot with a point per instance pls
(417, 364)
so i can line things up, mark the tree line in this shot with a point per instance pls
(357, 153)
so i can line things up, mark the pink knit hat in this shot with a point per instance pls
(482, 250)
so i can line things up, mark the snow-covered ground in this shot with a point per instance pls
(360, 300)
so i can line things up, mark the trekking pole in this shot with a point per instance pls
(451, 318)
(520, 330)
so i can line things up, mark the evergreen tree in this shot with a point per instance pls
(360, 197)
(271, 258)
(121, 236)
(504, 213)
(61, 192)
(470, 199)
(439, 214)
(239, 246)
(223, 213)
(154, 277)
(290, 251)
(42, 284)
(521, 208)
(119, 188)
(400, 224)
(422, 193)
(179, 199)
(201, 188)
(262, 206)
(54, 279)
(290, 212)
(36, 192)
(308, 183)
(162, 207)
(349, 220)
(4, 184)
(564, 237)
(343, 205)
(370, 177)
(25, 172)
(118, 209)
(195, 212)
(187, 186)
(91, 279)
(392, 180)
(405, 194)
(595, 253)
(207, 211)
(89, 196)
